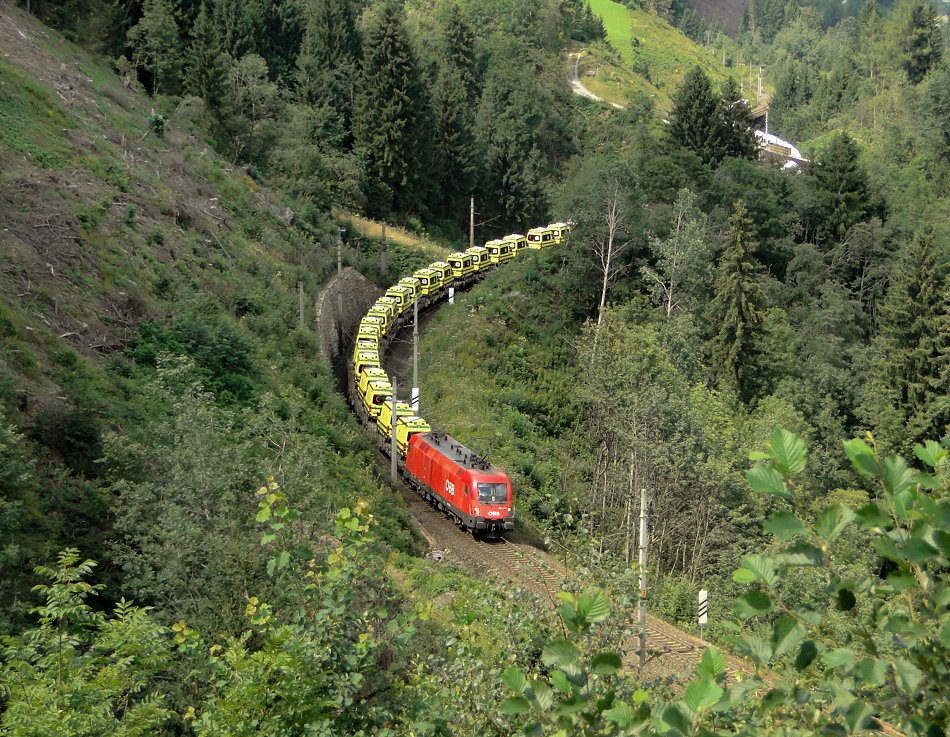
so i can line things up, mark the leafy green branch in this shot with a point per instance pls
(889, 668)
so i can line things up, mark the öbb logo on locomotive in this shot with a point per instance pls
(464, 485)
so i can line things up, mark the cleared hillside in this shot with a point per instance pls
(650, 57)
(124, 238)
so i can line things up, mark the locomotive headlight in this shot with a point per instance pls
(509, 509)
(475, 511)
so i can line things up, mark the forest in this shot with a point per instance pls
(197, 538)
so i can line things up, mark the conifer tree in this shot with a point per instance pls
(793, 89)
(766, 17)
(935, 109)
(737, 305)
(156, 42)
(695, 121)
(240, 25)
(390, 116)
(738, 125)
(453, 152)
(459, 49)
(916, 39)
(282, 36)
(509, 127)
(328, 64)
(841, 187)
(909, 392)
(206, 68)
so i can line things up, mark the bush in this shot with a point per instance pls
(221, 351)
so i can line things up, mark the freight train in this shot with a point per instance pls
(476, 495)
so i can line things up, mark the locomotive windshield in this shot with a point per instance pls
(496, 493)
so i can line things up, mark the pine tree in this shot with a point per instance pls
(737, 305)
(793, 89)
(155, 43)
(935, 107)
(738, 126)
(909, 393)
(328, 64)
(240, 25)
(841, 187)
(206, 68)
(509, 128)
(916, 39)
(282, 38)
(766, 17)
(695, 122)
(459, 50)
(390, 119)
(453, 151)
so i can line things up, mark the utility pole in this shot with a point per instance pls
(642, 606)
(300, 300)
(471, 224)
(392, 437)
(383, 252)
(414, 397)
(758, 97)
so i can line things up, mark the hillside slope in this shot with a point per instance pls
(122, 242)
(647, 57)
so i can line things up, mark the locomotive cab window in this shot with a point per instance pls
(495, 493)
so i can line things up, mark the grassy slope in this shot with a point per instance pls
(662, 51)
(104, 225)
(493, 375)
(399, 236)
(150, 222)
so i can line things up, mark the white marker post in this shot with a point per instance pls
(451, 295)
(703, 610)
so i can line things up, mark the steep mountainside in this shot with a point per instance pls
(105, 219)
(123, 237)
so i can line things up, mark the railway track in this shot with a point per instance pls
(671, 652)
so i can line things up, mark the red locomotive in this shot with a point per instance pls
(461, 483)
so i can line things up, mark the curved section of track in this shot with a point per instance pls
(671, 653)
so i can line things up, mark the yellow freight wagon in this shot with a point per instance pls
(540, 238)
(479, 256)
(499, 252)
(461, 264)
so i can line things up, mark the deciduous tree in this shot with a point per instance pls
(156, 44)
(683, 260)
